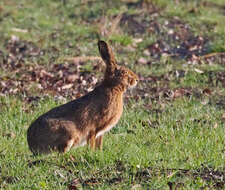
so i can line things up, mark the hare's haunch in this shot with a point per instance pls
(86, 119)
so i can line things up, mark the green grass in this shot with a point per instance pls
(156, 140)
(182, 136)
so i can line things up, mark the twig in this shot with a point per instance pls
(211, 55)
(79, 59)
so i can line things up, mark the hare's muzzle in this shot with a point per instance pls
(133, 83)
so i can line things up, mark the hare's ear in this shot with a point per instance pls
(106, 54)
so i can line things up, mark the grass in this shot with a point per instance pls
(159, 143)
(183, 136)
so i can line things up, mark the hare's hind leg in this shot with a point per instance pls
(99, 142)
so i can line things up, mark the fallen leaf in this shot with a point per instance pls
(223, 116)
(9, 135)
(207, 91)
(179, 93)
(72, 78)
(67, 86)
(142, 60)
(58, 173)
(44, 73)
(136, 187)
(198, 71)
(137, 40)
(146, 53)
(19, 30)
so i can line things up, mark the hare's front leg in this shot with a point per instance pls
(99, 142)
(91, 139)
(65, 146)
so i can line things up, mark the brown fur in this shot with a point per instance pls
(86, 119)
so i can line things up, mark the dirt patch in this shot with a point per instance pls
(136, 24)
(155, 88)
(214, 5)
(19, 50)
(142, 176)
(174, 37)
(209, 175)
(211, 58)
(62, 80)
(72, 80)
(67, 80)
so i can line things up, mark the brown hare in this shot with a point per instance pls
(86, 119)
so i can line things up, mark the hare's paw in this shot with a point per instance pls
(66, 146)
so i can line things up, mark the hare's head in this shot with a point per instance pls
(116, 75)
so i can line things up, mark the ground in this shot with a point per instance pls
(171, 134)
